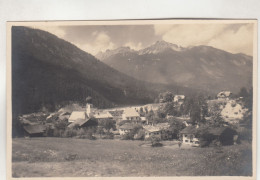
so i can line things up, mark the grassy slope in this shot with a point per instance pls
(46, 157)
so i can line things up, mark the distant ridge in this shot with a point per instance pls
(201, 67)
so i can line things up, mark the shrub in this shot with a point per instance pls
(215, 143)
(140, 135)
(108, 135)
(81, 133)
(71, 157)
(70, 132)
(127, 136)
(87, 134)
(156, 142)
(49, 132)
(58, 132)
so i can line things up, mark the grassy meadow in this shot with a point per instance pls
(70, 157)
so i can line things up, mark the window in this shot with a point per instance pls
(185, 135)
(196, 142)
(186, 141)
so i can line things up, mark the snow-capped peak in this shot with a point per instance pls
(160, 46)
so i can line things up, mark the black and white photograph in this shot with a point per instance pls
(132, 98)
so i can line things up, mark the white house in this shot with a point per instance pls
(125, 128)
(152, 131)
(155, 130)
(131, 114)
(189, 136)
(179, 99)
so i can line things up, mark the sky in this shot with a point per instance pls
(234, 38)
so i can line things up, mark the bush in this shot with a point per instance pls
(204, 143)
(156, 142)
(81, 133)
(215, 143)
(70, 133)
(58, 132)
(140, 135)
(108, 135)
(71, 157)
(87, 134)
(49, 131)
(127, 136)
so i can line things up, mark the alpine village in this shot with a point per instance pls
(112, 103)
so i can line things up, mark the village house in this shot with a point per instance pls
(158, 130)
(84, 123)
(224, 95)
(131, 114)
(179, 99)
(103, 115)
(64, 116)
(189, 136)
(126, 128)
(151, 131)
(84, 119)
(224, 135)
(117, 115)
(76, 115)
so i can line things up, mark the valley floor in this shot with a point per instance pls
(69, 157)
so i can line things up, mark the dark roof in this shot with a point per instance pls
(34, 129)
(79, 122)
(127, 126)
(189, 130)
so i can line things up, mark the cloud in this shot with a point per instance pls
(235, 41)
(235, 38)
(101, 42)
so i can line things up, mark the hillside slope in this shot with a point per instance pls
(48, 72)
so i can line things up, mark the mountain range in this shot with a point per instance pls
(48, 72)
(200, 67)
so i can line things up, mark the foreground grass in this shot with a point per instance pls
(56, 157)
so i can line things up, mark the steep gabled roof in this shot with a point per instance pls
(130, 112)
(103, 115)
(79, 122)
(76, 115)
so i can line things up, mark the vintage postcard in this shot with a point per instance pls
(139, 99)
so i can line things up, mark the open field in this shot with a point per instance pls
(53, 157)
